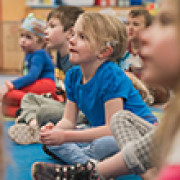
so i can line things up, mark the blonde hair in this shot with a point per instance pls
(170, 123)
(2, 164)
(105, 30)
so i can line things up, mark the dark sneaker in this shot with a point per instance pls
(18, 112)
(47, 171)
(20, 120)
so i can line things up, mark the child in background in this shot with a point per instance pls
(137, 21)
(162, 62)
(98, 87)
(37, 110)
(38, 69)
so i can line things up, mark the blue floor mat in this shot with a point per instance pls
(21, 157)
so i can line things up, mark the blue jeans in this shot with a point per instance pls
(81, 152)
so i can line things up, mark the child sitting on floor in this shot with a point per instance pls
(98, 87)
(162, 66)
(36, 109)
(38, 68)
(138, 20)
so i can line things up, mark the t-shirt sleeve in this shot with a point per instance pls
(115, 84)
(37, 64)
(70, 84)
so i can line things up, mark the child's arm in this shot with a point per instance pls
(34, 72)
(51, 134)
(87, 135)
(70, 116)
(59, 136)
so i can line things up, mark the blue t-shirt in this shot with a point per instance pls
(109, 82)
(38, 66)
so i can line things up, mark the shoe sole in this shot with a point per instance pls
(24, 134)
(33, 170)
(39, 172)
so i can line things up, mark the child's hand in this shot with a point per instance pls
(51, 137)
(3, 91)
(9, 85)
(46, 127)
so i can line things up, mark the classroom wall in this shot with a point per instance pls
(11, 14)
(13, 10)
(1, 55)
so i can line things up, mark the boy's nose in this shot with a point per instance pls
(130, 27)
(22, 40)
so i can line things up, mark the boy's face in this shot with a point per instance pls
(28, 41)
(134, 26)
(55, 35)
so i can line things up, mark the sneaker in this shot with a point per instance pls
(19, 119)
(47, 171)
(24, 134)
(18, 112)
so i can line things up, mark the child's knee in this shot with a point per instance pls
(119, 117)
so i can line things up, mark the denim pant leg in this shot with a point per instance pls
(70, 153)
(82, 152)
(101, 148)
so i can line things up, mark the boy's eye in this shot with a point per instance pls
(52, 25)
(136, 24)
(21, 35)
(28, 36)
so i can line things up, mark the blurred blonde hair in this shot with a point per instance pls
(170, 123)
(2, 164)
(105, 30)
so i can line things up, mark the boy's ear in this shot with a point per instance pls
(69, 33)
(106, 52)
